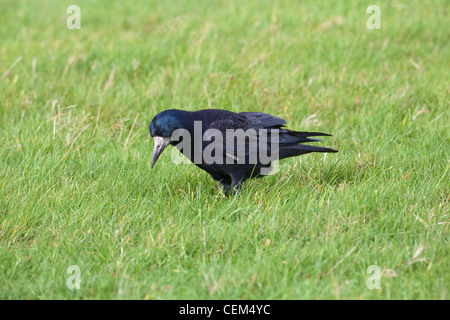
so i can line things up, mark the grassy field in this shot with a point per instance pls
(76, 187)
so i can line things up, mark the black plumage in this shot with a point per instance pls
(261, 137)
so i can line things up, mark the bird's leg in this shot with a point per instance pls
(226, 187)
(238, 181)
(226, 183)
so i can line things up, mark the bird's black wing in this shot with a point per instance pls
(259, 120)
(267, 133)
(253, 132)
(233, 121)
(233, 124)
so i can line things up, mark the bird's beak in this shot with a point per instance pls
(160, 144)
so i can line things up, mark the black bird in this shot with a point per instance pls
(247, 154)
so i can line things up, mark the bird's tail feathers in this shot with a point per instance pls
(299, 149)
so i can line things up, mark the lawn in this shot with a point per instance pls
(77, 188)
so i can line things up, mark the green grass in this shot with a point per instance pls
(76, 187)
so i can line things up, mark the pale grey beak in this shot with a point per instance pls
(160, 144)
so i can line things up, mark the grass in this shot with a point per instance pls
(76, 187)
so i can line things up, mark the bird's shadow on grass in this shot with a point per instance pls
(330, 175)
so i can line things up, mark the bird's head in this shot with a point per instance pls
(161, 129)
